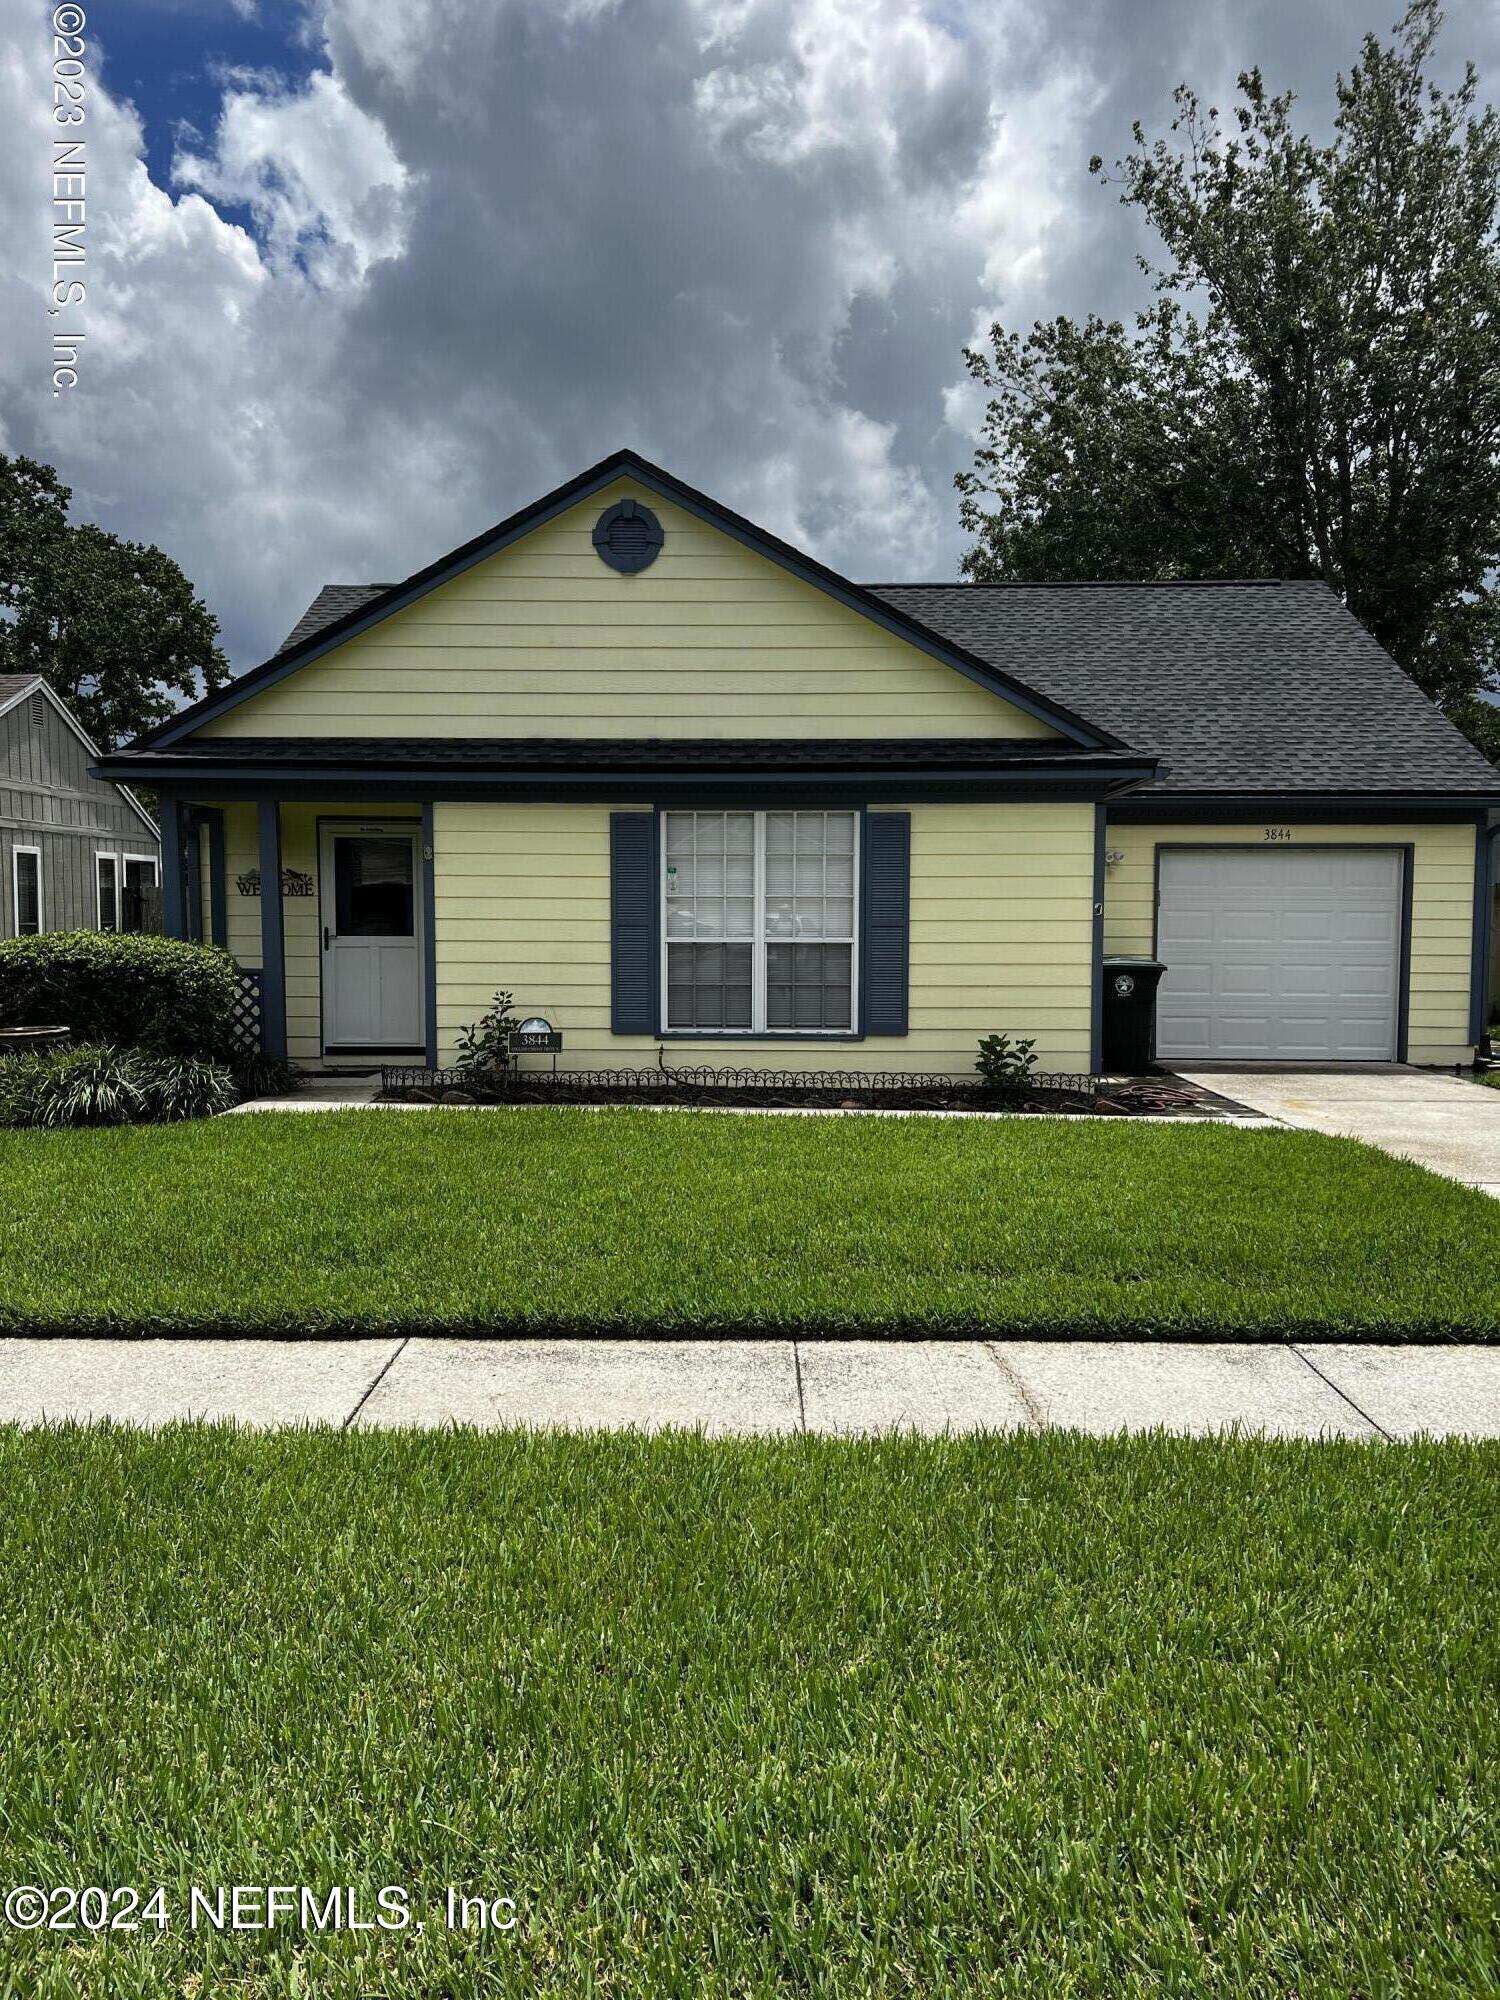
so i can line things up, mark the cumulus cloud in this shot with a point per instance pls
(487, 241)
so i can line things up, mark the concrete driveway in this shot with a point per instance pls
(763, 1386)
(1440, 1121)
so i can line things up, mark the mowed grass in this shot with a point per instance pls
(625, 1221)
(1020, 1716)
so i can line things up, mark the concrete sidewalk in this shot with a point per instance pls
(725, 1387)
(1443, 1122)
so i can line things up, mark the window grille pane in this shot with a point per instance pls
(810, 875)
(109, 916)
(708, 986)
(808, 986)
(710, 875)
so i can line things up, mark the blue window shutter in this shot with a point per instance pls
(633, 892)
(886, 929)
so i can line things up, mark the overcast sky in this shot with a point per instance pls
(363, 278)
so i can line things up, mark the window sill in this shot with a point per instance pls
(791, 1035)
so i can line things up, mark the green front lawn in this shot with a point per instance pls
(1100, 1719)
(618, 1221)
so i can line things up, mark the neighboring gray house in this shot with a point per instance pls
(76, 853)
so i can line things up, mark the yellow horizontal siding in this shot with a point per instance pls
(1442, 909)
(1001, 935)
(543, 639)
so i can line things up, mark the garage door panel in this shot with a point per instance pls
(1289, 955)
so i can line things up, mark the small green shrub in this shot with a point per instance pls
(104, 1086)
(177, 1087)
(89, 1087)
(1003, 1063)
(122, 991)
(485, 1046)
(256, 1074)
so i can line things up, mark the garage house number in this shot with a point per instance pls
(1278, 833)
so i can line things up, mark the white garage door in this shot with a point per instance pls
(1290, 954)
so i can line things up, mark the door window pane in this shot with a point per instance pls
(109, 908)
(28, 894)
(372, 887)
(140, 899)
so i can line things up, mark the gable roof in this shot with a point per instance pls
(14, 688)
(1237, 687)
(299, 652)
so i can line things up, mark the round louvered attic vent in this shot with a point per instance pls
(628, 536)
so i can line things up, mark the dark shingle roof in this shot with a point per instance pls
(11, 684)
(333, 601)
(1238, 687)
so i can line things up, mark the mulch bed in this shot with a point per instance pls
(752, 1090)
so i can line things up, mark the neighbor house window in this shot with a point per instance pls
(129, 892)
(107, 876)
(140, 895)
(758, 929)
(27, 888)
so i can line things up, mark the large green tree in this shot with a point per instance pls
(1314, 389)
(115, 626)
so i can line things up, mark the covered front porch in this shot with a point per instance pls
(343, 955)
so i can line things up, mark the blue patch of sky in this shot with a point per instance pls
(173, 58)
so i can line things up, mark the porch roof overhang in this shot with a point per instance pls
(595, 768)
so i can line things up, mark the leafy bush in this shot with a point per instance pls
(104, 1086)
(1003, 1063)
(122, 991)
(486, 1044)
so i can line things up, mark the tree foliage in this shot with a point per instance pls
(1314, 389)
(115, 626)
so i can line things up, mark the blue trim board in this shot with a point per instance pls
(603, 786)
(629, 465)
(1096, 1012)
(429, 934)
(1486, 839)
(272, 942)
(173, 914)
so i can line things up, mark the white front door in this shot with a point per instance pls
(372, 937)
(1282, 955)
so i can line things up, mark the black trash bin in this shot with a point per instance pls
(1130, 1014)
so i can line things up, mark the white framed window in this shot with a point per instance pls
(127, 892)
(760, 923)
(107, 891)
(26, 890)
(140, 892)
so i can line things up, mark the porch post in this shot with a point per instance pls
(429, 937)
(272, 953)
(1096, 977)
(173, 912)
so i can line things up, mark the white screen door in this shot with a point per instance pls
(372, 953)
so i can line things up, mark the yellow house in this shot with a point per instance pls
(693, 797)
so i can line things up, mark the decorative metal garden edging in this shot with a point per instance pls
(844, 1089)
